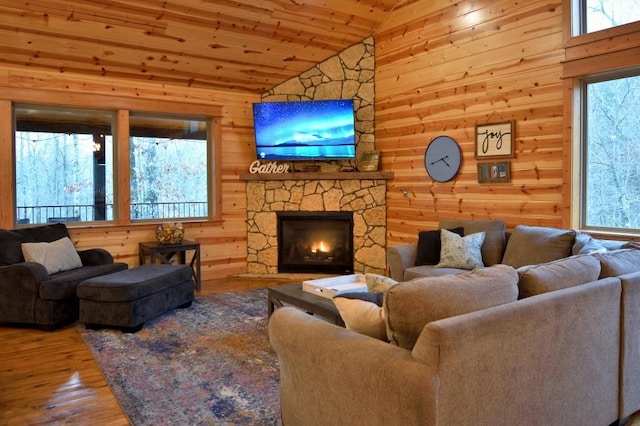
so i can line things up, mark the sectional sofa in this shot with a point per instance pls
(553, 342)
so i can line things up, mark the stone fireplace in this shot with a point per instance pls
(319, 242)
(361, 194)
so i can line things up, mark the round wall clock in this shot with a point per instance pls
(442, 158)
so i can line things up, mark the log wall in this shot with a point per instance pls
(441, 68)
(223, 242)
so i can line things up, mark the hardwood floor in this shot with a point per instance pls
(51, 378)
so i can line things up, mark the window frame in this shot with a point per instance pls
(121, 106)
(592, 56)
(584, 141)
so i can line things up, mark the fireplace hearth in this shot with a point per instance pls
(315, 242)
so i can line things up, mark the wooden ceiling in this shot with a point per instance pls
(245, 45)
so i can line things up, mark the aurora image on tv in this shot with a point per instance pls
(304, 130)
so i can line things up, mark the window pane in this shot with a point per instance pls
(603, 14)
(168, 167)
(64, 164)
(612, 172)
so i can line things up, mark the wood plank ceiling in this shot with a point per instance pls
(243, 45)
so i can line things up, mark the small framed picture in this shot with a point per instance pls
(368, 161)
(496, 172)
(494, 140)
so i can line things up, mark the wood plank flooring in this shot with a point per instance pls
(50, 378)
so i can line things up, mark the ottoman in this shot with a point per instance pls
(126, 299)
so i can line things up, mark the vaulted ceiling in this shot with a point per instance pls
(246, 45)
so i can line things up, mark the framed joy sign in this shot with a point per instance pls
(494, 140)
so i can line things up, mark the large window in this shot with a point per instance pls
(168, 166)
(602, 14)
(611, 181)
(65, 168)
(63, 164)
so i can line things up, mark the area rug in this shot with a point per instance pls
(210, 364)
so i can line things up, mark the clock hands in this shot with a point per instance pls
(443, 159)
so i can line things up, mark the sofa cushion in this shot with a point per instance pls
(429, 245)
(461, 252)
(63, 285)
(362, 312)
(557, 274)
(410, 305)
(430, 271)
(530, 245)
(11, 243)
(619, 262)
(45, 233)
(494, 240)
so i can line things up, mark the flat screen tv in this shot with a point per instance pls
(305, 130)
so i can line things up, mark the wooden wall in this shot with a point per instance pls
(441, 68)
(223, 244)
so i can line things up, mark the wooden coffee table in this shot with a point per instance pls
(292, 294)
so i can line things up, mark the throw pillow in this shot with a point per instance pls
(378, 283)
(429, 245)
(494, 236)
(461, 252)
(362, 312)
(411, 305)
(530, 245)
(60, 255)
(586, 244)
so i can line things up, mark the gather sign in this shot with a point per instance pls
(271, 167)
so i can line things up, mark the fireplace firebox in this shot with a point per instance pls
(315, 242)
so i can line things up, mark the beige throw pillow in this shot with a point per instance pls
(362, 316)
(60, 255)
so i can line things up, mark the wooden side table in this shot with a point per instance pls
(162, 253)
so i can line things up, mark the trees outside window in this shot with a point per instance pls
(63, 164)
(602, 14)
(168, 158)
(65, 169)
(611, 198)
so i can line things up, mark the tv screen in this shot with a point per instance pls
(305, 130)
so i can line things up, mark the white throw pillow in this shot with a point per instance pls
(461, 252)
(60, 255)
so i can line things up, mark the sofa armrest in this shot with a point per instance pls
(95, 256)
(401, 257)
(20, 290)
(331, 375)
(525, 362)
(22, 277)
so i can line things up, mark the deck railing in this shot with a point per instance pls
(92, 212)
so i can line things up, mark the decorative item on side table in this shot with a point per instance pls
(170, 233)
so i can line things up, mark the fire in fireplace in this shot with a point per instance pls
(315, 242)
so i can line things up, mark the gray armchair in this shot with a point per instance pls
(29, 294)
